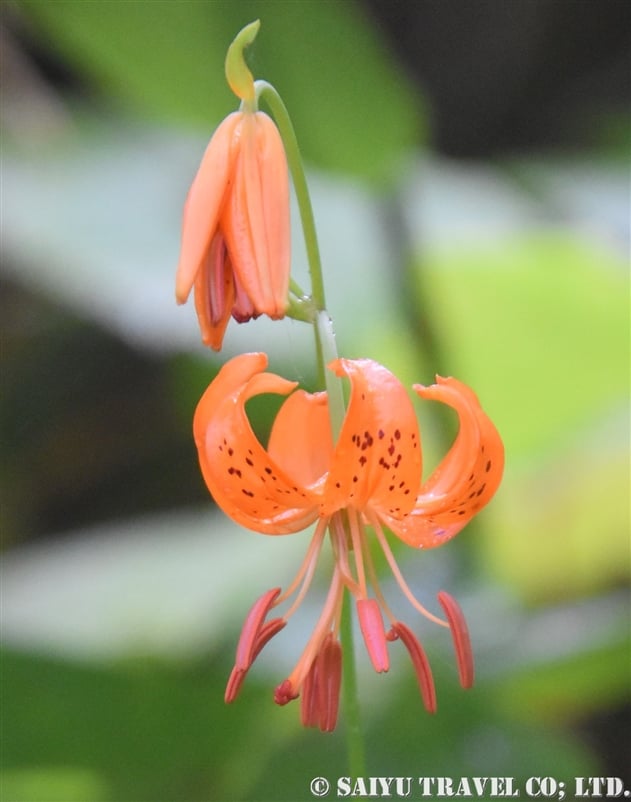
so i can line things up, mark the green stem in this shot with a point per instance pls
(325, 342)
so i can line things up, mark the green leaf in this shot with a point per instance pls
(146, 730)
(54, 784)
(559, 526)
(352, 107)
(539, 325)
(563, 689)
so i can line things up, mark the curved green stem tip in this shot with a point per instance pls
(238, 75)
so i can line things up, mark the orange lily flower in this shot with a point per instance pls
(235, 230)
(369, 478)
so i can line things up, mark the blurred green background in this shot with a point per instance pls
(468, 164)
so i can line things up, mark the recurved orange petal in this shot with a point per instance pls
(466, 479)
(244, 480)
(204, 203)
(256, 220)
(377, 459)
(300, 442)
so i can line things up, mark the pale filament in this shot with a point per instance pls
(327, 617)
(397, 573)
(357, 538)
(337, 620)
(372, 575)
(306, 570)
(340, 549)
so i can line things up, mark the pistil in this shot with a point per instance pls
(323, 627)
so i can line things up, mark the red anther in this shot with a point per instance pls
(266, 633)
(284, 693)
(320, 693)
(460, 636)
(329, 680)
(392, 635)
(309, 697)
(235, 681)
(246, 648)
(421, 665)
(371, 624)
(237, 676)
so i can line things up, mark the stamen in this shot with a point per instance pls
(235, 681)
(320, 696)
(419, 661)
(337, 619)
(309, 698)
(327, 616)
(357, 539)
(238, 675)
(252, 628)
(371, 624)
(340, 548)
(266, 633)
(306, 569)
(397, 573)
(374, 581)
(329, 663)
(460, 637)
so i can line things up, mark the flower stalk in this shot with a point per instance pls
(354, 469)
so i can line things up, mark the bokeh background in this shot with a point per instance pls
(469, 170)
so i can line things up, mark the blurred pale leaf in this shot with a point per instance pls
(96, 225)
(165, 59)
(540, 323)
(561, 524)
(54, 784)
(542, 333)
(170, 584)
(566, 688)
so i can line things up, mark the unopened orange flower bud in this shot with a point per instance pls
(235, 233)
